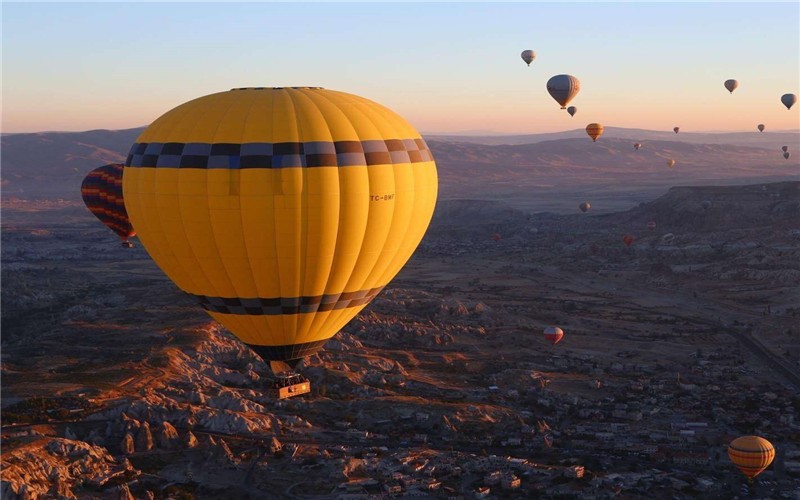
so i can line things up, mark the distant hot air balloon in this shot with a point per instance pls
(528, 56)
(706, 204)
(283, 211)
(787, 155)
(788, 100)
(670, 163)
(651, 225)
(584, 207)
(553, 334)
(594, 130)
(676, 129)
(563, 88)
(628, 240)
(751, 455)
(636, 146)
(731, 85)
(101, 190)
(496, 237)
(784, 148)
(572, 110)
(761, 127)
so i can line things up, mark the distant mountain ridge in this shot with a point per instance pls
(51, 165)
(766, 139)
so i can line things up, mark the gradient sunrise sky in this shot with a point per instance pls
(446, 67)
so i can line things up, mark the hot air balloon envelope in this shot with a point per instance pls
(594, 130)
(553, 334)
(628, 240)
(282, 211)
(563, 88)
(584, 207)
(751, 454)
(731, 85)
(788, 100)
(676, 129)
(528, 56)
(761, 127)
(572, 110)
(101, 190)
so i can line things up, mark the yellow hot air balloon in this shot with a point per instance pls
(670, 163)
(594, 130)
(282, 211)
(751, 455)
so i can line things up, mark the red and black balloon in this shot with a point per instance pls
(102, 192)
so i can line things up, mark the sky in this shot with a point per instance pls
(445, 67)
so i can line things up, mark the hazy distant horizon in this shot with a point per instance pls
(464, 133)
(478, 133)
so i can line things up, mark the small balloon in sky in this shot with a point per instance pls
(676, 129)
(761, 127)
(731, 85)
(788, 100)
(594, 130)
(528, 56)
(563, 88)
(572, 110)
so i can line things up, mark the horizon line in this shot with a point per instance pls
(461, 133)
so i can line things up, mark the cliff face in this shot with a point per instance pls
(55, 467)
(726, 208)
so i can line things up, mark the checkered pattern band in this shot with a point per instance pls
(286, 305)
(278, 155)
